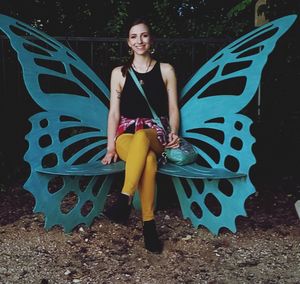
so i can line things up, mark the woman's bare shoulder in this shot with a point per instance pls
(166, 67)
(167, 70)
(117, 70)
(116, 74)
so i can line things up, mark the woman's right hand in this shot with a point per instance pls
(173, 140)
(111, 155)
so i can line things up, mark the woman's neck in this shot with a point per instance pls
(142, 63)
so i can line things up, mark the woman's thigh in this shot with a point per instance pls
(122, 145)
(124, 140)
(155, 144)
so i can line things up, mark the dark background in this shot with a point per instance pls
(177, 25)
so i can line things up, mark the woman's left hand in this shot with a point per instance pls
(173, 140)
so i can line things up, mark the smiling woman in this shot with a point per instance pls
(140, 42)
(133, 135)
(139, 38)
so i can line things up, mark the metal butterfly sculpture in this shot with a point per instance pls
(68, 139)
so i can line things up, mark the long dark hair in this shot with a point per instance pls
(127, 65)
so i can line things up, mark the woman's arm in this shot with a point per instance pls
(170, 80)
(113, 116)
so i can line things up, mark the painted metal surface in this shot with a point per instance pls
(68, 139)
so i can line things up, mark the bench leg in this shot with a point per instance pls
(194, 201)
(70, 193)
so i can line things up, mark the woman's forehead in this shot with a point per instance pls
(139, 29)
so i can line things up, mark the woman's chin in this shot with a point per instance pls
(141, 52)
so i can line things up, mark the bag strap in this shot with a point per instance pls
(138, 84)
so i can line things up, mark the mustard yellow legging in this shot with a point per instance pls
(139, 150)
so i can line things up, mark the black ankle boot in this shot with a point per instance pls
(152, 242)
(120, 211)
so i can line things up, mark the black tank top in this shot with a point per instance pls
(133, 104)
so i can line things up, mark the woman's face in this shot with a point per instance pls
(139, 39)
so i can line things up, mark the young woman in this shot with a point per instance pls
(133, 135)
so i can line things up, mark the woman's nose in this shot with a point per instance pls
(140, 40)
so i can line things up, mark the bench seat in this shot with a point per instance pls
(96, 168)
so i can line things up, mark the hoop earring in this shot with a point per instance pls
(130, 51)
(152, 50)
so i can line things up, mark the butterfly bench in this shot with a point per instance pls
(68, 139)
(191, 201)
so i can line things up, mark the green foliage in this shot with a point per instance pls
(169, 18)
(176, 18)
(115, 26)
(239, 8)
(165, 24)
(279, 8)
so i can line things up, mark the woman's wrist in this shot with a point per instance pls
(110, 148)
(173, 128)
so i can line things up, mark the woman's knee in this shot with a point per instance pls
(122, 145)
(141, 135)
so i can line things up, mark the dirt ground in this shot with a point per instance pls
(266, 248)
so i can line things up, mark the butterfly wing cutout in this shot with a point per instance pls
(70, 135)
(211, 119)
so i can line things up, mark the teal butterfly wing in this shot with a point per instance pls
(228, 82)
(69, 137)
(210, 106)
